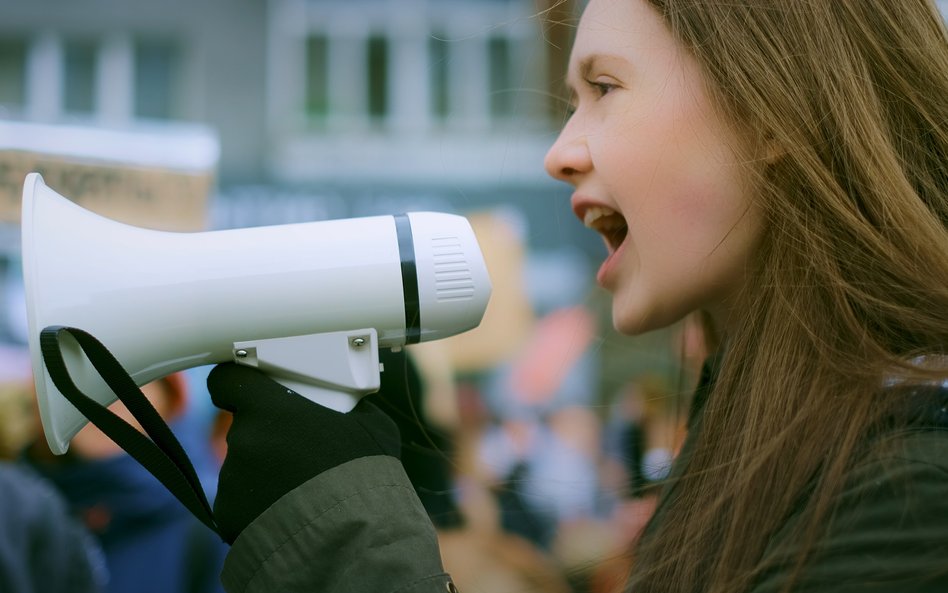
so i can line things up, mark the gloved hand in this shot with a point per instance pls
(279, 440)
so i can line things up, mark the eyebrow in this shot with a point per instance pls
(587, 64)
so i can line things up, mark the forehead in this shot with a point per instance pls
(626, 30)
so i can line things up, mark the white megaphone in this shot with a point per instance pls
(307, 303)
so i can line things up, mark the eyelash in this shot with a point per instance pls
(601, 88)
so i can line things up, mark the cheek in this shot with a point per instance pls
(707, 207)
(669, 165)
(697, 190)
(655, 148)
(673, 196)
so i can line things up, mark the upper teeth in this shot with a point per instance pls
(595, 213)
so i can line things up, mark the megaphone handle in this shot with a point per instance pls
(332, 369)
(163, 457)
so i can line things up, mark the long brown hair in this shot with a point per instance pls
(852, 277)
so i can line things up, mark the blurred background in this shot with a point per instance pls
(213, 114)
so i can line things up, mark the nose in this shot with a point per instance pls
(569, 156)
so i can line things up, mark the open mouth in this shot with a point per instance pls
(608, 223)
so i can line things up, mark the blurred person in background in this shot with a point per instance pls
(43, 548)
(480, 555)
(643, 433)
(542, 448)
(151, 542)
(779, 166)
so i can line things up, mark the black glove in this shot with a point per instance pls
(279, 440)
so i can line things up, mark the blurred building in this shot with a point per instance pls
(322, 108)
(123, 64)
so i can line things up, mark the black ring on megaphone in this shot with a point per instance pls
(406, 253)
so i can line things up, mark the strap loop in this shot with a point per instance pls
(162, 455)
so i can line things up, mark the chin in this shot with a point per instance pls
(637, 329)
(632, 326)
(631, 321)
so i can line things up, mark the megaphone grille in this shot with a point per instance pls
(453, 278)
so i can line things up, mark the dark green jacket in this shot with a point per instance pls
(357, 528)
(888, 532)
(888, 529)
(360, 528)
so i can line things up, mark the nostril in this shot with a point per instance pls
(567, 160)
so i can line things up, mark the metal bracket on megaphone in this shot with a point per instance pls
(333, 369)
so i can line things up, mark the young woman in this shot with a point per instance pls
(780, 166)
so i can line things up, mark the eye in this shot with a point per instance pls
(601, 88)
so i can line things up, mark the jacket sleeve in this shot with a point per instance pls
(354, 528)
(888, 532)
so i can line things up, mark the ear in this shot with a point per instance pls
(172, 401)
(219, 427)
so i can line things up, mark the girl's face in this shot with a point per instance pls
(655, 171)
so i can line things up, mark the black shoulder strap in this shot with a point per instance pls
(162, 454)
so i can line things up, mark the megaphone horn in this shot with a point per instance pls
(309, 303)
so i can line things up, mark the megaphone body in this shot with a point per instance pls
(308, 303)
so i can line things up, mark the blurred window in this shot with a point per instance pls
(438, 60)
(157, 79)
(317, 77)
(12, 74)
(79, 76)
(378, 73)
(501, 77)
